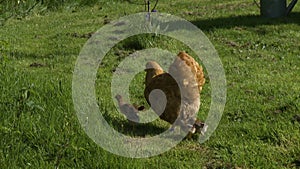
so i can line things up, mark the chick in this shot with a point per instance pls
(175, 94)
(128, 110)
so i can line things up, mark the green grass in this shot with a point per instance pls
(261, 58)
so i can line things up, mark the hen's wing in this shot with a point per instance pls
(163, 95)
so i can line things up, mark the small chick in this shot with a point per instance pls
(128, 110)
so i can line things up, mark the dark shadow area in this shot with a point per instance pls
(296, 163)
(146, 130)
(132, 129)
(246, 21)
(139, 130)
(21, 55)
(227, 22)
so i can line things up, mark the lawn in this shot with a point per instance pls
(260, 126)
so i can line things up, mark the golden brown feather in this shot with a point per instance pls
(180, 88)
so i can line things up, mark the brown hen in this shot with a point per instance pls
(175, 96)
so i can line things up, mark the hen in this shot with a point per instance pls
(176, 94)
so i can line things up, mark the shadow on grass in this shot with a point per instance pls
(130, 129)
(140, 130)
(233, 21)
(246, 21)
(296, 163)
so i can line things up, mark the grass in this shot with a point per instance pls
(261, 58)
